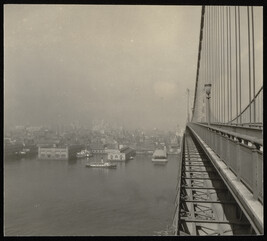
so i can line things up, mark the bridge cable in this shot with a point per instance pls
(239, 62)
(218, 52)
(253, 56)
(236, 64)
(227, 61)
(230, 60)
(206, 49)
(208, 55)
(216, 66)
(249, 68)
(212, 61)
(221, 65)
(223, 102)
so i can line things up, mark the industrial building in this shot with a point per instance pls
(97, 148)
(59, 153)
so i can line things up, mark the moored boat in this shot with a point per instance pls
(159, 156)
(101, 164)
(84, 153)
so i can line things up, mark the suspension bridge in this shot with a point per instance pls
(220, 180)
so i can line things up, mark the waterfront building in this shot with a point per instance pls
(115, 155)
(121, 155)
(97, 148)
(53, 153)
(59, 153)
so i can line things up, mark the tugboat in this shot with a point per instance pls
(101, 164)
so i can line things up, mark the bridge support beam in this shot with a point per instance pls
(249, 201)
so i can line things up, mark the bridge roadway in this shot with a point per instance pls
(211, 197)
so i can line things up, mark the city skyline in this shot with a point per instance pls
(130, 65)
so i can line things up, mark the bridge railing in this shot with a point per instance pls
(175, 221)
(241, 153)
(249, 130)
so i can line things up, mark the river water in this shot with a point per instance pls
(52, 197)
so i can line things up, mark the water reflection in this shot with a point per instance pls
(101, 171)
(160, 164)
(59, 197)
(14, 161)
(72, 161)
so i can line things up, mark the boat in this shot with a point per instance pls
(84, 153)
(23, 152)
(101, 164)
(159, 156)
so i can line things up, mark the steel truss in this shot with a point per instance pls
(206, 207)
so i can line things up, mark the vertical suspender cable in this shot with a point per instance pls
(249, 67)
(206, 47)
(212, 64)
(216, 75)
(214, 60)
(227, 63)
(236, 67)
(221, 89)
(230, 63)
(218, 59)
(202, 63)
(223, 66)
(218, 52)
(210, 60)
(239, 63)
(209, 55)
(253, 57)
(219, 67)
(209, 47)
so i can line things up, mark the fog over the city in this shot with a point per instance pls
(128, 65)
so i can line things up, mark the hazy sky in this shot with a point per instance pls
(129, 65)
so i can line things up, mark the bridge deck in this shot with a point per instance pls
(206, 206)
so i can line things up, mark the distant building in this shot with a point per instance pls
(121, 155)
(53, 153)
(34, 128)
(43, 142)
(112, 146)
(116, 155)
(97, 148)
(59, 153)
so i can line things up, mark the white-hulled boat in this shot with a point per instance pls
(101, 164)
(159, 156)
